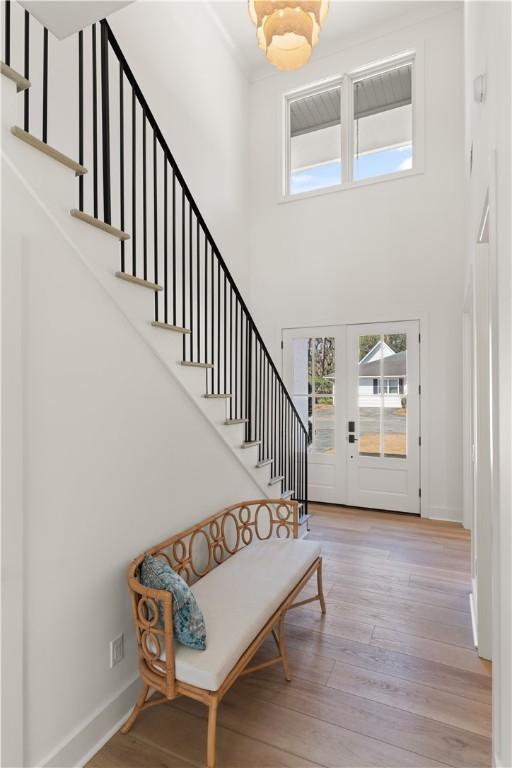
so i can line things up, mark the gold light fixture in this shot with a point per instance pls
(287, 30)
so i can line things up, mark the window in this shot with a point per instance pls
(315, 141)
(382, 125)
(357, 127)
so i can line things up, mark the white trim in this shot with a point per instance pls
(350, 185)
(473, 611)
(11, 486)
(447, 514)
(89, 737)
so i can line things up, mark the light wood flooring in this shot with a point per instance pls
(388, 678)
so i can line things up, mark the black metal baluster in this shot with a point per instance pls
(183, 315)
(7, 33)
(134, 185)
(306, 494)
(246, 379)
(26, 73)
(225, 335)
(45, 85)
(81, 117)
(218, 327)
(235, 393)
(249, 380)
(166, 212)
(206, 358)
(294, 465)
(94, 124)
(191, 282)
(155, 223)
(144, 200)
(105, 128)
(231, 350)
(121, 159)
(274, 413)
(198, 293)
(260, 398)
(212, 329)
(174, 288)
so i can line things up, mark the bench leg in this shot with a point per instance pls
(212, 732)
(136, 710)
(320, 587)
(282, 649)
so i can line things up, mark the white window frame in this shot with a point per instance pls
(346, 84)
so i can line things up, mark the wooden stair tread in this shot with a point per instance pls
(99, 224)
(33, 141)
(276, 479)
(138, 281)
(217, 397)
(169, 327)
(250, 443)
(264, 463)
(231, 422)
(21, 82)
(191, 364)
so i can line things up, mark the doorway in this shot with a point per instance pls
(357, 390)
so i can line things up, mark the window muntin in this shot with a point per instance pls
(382, 122)
(353, 129)
(315, 141)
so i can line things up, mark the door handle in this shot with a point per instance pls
(352, 439)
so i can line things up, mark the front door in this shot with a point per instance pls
(356, 388)
(382, 426)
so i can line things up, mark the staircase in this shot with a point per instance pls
(146, 241)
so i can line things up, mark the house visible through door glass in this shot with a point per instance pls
(382, 395)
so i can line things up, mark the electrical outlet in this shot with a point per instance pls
(116, 650)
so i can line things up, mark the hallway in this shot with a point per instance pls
(388, 678)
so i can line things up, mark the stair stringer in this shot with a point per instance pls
(100, 253)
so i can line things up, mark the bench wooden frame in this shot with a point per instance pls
(221, 536)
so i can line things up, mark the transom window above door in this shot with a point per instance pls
(351, 129)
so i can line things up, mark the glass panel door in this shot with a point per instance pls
(311, 357)
(383, 396)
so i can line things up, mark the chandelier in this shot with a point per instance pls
(287, 30)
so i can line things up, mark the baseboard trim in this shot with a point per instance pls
(94, 732)
(473, 617)
(448, 514)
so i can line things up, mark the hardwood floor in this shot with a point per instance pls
(388, 678)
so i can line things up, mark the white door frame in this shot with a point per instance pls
(423, 318)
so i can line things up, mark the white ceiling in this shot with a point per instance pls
(65, 17)
(346, 22)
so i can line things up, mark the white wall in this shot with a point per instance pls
(200, 98)
(488, 29)
(387, 251)
(116, 457)
(109, 453)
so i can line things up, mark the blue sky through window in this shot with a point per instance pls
(377, 163)
(315, 177)
(382, 162)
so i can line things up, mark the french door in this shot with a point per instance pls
(356, 388)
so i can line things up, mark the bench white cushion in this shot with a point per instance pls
(237, 598)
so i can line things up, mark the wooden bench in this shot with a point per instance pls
(246, 567)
